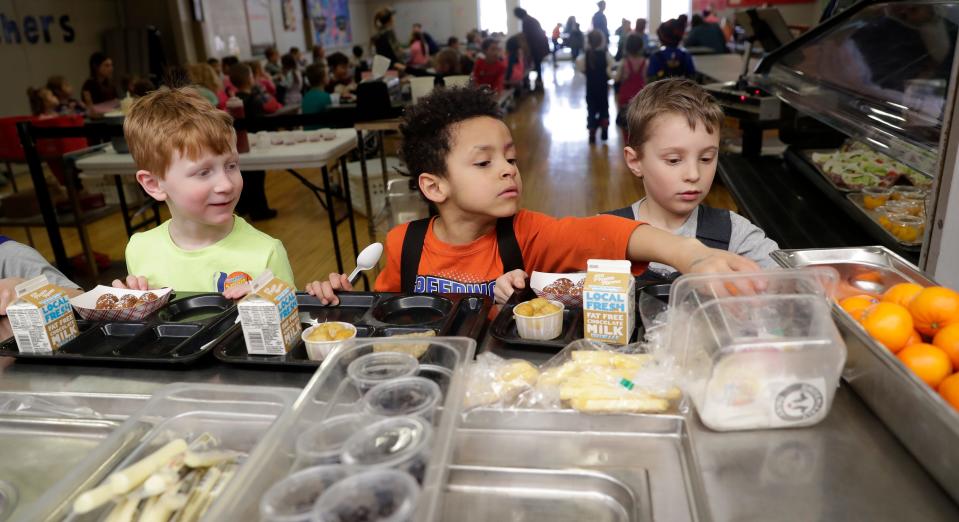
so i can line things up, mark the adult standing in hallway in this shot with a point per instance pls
(599, 20)
(536, 41)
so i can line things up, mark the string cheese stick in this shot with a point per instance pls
(92, 499)
(125, 480)
(124, 510)
(209, 458)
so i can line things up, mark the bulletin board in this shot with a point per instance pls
(261, 23)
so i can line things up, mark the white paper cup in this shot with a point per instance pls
(540, 328)
(319, 350)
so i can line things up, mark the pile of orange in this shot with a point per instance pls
(921, 326)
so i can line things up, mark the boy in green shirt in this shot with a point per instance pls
(186, 152)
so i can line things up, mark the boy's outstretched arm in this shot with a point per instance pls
(687, 255)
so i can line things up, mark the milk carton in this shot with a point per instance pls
(270, 316)
(41, 318)
(609, 301)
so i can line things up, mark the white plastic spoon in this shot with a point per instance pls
(367, 259)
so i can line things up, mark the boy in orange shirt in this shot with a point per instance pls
(464, 154)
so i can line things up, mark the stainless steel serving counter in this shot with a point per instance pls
(849, 467)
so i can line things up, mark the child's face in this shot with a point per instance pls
(677, 164)
(482, 177)
(49, 100)
(204, 191)
(493, 53)
(341, 72)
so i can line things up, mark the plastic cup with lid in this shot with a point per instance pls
(384, 495)
(401, 443)
(323, 443)
(293, 498)
(374, 368)
(415, 396)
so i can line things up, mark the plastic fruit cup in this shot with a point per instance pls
(292, 499)
(323, 443)
(908, 229)
(319, 350)
(903, 191)
(541, 327)
(400, 443)
(904, 206)
(414, 396)
(383, 495)
(276, 138)
(374, 368)
(875, 197)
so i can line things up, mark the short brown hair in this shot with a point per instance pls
(169, 121)
(670, 96)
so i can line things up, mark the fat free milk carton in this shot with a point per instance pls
(609, 301)
(270, 316)
(41, 318)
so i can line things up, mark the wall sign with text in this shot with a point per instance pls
(34, 29)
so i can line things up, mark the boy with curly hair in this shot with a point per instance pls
(464, 159)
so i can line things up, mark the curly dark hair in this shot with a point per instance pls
(427, 140)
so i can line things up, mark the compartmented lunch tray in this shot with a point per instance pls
(179, 333)
(504, 326)
(374, 315)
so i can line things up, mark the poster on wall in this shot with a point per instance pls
(331, 22)
(261, 24)
(289, 16)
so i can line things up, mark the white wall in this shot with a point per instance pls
(30, 64)
(225, 29)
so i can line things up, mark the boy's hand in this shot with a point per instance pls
(507, 283)
(8, 292)
(705, 260)
(324, 290)
(132, 282)
(236, 292)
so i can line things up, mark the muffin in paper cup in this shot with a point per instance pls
(565, 288)
(541, 327)
(86, 304)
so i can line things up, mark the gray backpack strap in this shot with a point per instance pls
(714, 227)
(625, 212)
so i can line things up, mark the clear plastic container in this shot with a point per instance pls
(382, 495)
(371, 369)
(401, 443)
(323, 443)
(414, 396)
(757, 350)
(293, 498)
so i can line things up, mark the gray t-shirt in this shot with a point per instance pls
(746, 239)
(19, 260)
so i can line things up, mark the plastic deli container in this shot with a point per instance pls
(323, 443)
(293, 498)
(757, 350)
(401, 443)
(374, 368)
(383, 495)
(407, 396)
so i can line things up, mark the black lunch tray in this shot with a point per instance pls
(178, 333)
(503, 327)
(374, 315)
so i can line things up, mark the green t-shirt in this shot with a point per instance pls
(235, 259)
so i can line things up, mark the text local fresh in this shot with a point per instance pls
(606, 302)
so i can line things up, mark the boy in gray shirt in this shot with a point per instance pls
(18, 263)
(673, 146)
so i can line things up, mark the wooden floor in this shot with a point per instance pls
(562, 174)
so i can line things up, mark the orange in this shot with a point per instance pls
(915, 338)
(934, 308)
(949, 390)
(929, 363)
(857, 304)
(947, 340)
(902, 294)
(888, 323)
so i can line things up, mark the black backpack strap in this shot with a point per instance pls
(509, 252)
(411, 253)
(625, 212)
(714, 227)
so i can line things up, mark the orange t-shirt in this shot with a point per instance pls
(548, 244)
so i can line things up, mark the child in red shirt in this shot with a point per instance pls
(490, 70)
(466, 159)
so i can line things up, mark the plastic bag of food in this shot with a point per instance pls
(496, 382)
(593, 377)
